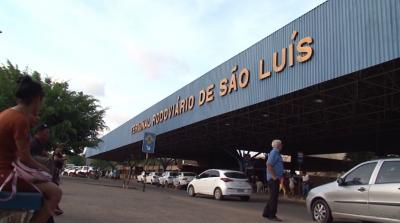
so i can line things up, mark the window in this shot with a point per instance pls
(361, 175)
(189, 174)
(236, 175)
(214, 173)
(389, 173)
(204, 175)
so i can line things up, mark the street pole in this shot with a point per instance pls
(144, 169)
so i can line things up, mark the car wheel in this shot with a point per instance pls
(321, 212)
(191, 191)
(245, 198)
(218, 194)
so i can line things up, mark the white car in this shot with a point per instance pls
(140, 178)
(152, 178)
(73, 171)
(84, 170)
(183, 179)
(69, 171)
(167, 178)
(368, 192)
(221, 183)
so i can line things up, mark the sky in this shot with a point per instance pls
(131, 54)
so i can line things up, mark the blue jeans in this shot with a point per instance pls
(306, 188)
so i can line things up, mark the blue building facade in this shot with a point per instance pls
(335, 39)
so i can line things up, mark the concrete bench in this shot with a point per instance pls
(20, 208)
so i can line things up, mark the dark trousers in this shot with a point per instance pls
(272, 204)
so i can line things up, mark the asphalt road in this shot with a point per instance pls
(86, 200)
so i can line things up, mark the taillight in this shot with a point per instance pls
(226, 180)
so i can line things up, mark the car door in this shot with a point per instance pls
(201, 182)
(351, 198)
(211, 182)
(384, 195)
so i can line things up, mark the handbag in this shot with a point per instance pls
(26, 173)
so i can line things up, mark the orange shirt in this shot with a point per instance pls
(14, 125)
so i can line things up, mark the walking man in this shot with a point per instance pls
(274, 174)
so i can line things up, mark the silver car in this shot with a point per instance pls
(368, 192)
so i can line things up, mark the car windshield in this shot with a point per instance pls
(173, 174)
(236, 175)
(189, 174)
(158, 174)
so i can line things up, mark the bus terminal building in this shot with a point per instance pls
(328, 82)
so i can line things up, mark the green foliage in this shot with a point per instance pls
(8, 81)
(75, 119)
(77, 160)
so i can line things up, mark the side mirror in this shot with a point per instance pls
(340, 181)
(197, 177)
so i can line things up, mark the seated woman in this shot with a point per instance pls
(15, 124)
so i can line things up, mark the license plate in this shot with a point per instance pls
(240, 190)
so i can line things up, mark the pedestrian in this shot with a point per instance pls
(260, 185)
(15, 124)
(274, 174)
(39, 145)
(39, 151)
(58, 160)
(305, 184)
(282, 186)
(292, 183)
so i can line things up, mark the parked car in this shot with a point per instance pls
(183, 179)
(72, 171)
(167, 178)
(67, 170)
(152, 178)
(84, 170)
(221, 183)
(368, 192)
(140, 177)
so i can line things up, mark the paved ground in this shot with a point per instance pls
(88, 200)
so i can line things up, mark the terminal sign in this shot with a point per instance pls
(239, 78)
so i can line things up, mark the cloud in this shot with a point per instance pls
(156, 64)
(95, 88)
(112, 49)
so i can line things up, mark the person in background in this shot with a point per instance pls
(274, 174)
(305, 184)
(292, 184)
(58, 159)
(260, 185)
(39, 145)
(282, 186)
(15, 124)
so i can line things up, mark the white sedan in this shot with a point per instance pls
(183, 179)
(152, 178)
(221, 183)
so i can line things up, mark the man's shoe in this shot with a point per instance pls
(275, 219)
(58, 212)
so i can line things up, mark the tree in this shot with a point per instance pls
(77, 160)
(165, 162)
(75, 119)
